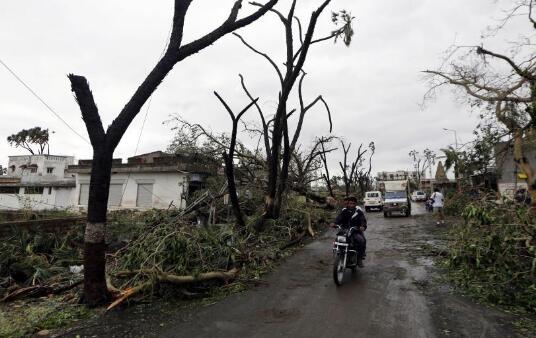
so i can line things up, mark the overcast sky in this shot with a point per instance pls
(374, 87)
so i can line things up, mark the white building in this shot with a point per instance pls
(37, 182)
(154, 180)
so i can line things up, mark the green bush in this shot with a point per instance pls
(456, 202)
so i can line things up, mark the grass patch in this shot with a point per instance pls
(23, 319)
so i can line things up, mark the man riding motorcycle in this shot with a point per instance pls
(353, 216)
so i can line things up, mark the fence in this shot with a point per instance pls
(41, 225)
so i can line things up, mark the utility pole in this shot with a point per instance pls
(457, 174)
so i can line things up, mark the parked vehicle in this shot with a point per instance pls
(373, 200)
(396, 199)
(418, 196)
(345, 257)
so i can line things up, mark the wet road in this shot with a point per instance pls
(387, 298)
(395, 295)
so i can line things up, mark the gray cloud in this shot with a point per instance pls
(374, 87)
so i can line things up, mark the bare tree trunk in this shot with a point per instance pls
(279, 155)
(294, 65)
(231, 186)
(283, 179)
(326, 169)
(229, 161)
(95, 290)
(344, 168)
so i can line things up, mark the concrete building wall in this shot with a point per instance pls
(509, 177)
(45, 167)
(50, 198)
(167, 187)
(65, 197)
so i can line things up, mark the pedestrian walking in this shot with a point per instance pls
(437, 203)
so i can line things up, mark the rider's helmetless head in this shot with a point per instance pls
(351, 202)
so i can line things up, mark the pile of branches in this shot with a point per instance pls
(153, 253)
(196, 259)
(492, 253)
(37, 264)
(41, 263)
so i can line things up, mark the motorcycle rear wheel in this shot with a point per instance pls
(338, 270)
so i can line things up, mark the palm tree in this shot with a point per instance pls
(451, 160)
(454, 159)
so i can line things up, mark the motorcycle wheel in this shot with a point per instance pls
(338, 270)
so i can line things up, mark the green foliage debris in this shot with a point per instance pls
(492, 253)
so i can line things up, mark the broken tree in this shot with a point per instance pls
(105, 142)
(349, 171)
(504, 81)
(229, 160)
(279, 144)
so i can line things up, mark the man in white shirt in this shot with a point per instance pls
(437, 202)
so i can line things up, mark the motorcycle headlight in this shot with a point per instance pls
(341, 239)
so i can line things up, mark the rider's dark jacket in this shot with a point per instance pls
(351, 217)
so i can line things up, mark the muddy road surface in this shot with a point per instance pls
(397, 294)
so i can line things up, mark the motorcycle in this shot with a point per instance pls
(345, 257)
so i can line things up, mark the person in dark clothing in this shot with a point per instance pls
(353, 216)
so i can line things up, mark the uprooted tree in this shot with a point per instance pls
(505, 81)
(105, 142)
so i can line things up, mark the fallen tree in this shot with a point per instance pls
(162, 277)
(201, 258)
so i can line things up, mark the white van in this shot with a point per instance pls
(373, 199)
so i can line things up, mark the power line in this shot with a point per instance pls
(144, 120)
(42, 101)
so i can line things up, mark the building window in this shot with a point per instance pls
(144, 198)
(33, 169)
(50, 190)
(33, 190)
(9, 190)
(50, 170)
(116, 195)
